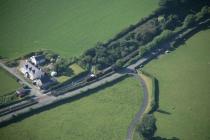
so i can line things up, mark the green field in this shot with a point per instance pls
(67, 27)
(184, 79)
(105, 115)
(8, 84)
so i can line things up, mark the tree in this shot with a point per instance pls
(119, 63)
(189, 20)
(143, 50)
(205, 10)
(172, 22)
(62, 67)
(87, 58)
(148, 126)
(90, 52)
(203, 13)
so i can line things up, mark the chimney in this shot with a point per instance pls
(33, 71)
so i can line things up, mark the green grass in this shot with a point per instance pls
(149, 86)
(62, 78)
(76, 69)
(7, 83)
(67, 27)
(184, 78)
(104, 115)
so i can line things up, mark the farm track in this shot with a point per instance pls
(142, 108)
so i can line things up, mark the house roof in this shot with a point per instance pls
(31, 68)
(39, 57)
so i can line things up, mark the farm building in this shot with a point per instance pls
(37, 59)
(31, 71)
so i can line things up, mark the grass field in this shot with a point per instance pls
(67, 27)
(184, 79)
(102, 115)
(7, 83)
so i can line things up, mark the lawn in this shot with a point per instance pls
(67, 27)
(8, 84)
(105, 115)
(76, 69)
(184, 79)
(62, 78)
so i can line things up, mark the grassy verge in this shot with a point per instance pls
(105, 114)
(152, 89)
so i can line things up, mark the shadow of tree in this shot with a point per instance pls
(160, 138)
(163, 112)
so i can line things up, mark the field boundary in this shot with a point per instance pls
(152, 98)
(154, 94)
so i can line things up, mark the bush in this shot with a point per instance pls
(189, 20)
(62, 67)
(205, 11)
(12, 63)
(165, 35)
(119, 63)
(148, 126)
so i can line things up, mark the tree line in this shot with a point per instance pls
(112, 53)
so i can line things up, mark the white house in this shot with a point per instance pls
(37, 59)
(31, 71)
